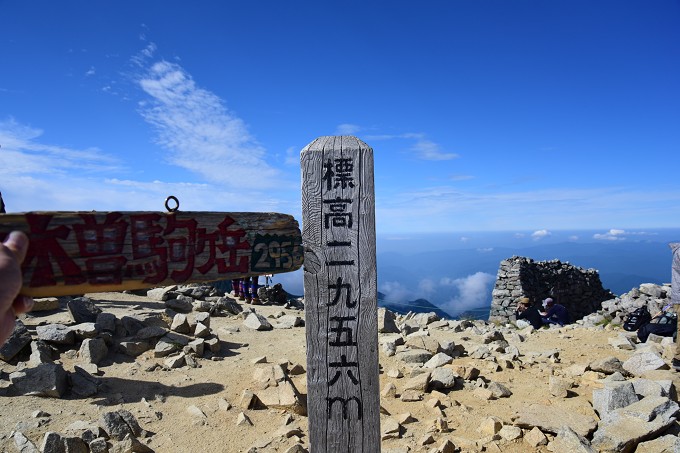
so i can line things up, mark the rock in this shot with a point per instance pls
(414, 356)
(161, 294)
(547, 419)
(418, 383)
(201, 330)
(93, 350)
(498, 390)
(664, 444)
(180, 324)
(48, 379)
(568, 441)
(535, 438)
(82, 310)
(106, 322)
(203, 318)
(387, 321)
(83, 383)
(55, 333)
(23, 444)
(628, 426)
(85, 330)
(176, 361)
(17, 341)
(391, 429)
(510, 433)
(120, 424)
(442, 378)
(489, 426)
(196, 412)
(242, 419)
(135, 348)
(284, 396)
(131, 325)
(45, 304)
(288, 322)
(559, 387)
(52, 443)
(423, 342)
(647, 387)
(389, 390)
(438, 360)
(608, 365)
(621, 342)
(483, 394)
(40, 353)
(257, 322)
(182, 304)
(151, 332)
(614, 395)
(642, 362)
(98, 445)
(129, 444)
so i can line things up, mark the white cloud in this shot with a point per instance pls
(396, 292)
(200, 133)
(464, 239)
(540, 234)
(611, 235)
(427, 286)
(428, 150)
(90, 72)
(573, 238)
(292, 156)
(347, 129)
(471, 292)
(485, 249)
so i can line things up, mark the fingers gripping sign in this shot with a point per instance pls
(12, 253)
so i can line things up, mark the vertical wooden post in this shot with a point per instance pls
(338, 232)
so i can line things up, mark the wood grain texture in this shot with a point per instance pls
(78, 252)
(338, 204)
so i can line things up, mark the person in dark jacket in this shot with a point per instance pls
(528, 313)
(554, 313)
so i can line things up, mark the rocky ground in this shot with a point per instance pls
(186, 371)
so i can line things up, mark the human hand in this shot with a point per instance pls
(12, 253)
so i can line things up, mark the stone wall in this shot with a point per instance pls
(578, 289)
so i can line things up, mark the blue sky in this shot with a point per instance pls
(484, 115)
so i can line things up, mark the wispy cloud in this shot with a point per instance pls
(449, 208)
(615, 234)
(348, 129)
(90, 72)
(22, 153)
(200, 133)
(428, 150)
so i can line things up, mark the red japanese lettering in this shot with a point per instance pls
(231, 242)
(44, 249)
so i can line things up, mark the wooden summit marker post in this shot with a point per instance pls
(338, 233)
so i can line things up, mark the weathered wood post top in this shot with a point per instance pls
(338, 231)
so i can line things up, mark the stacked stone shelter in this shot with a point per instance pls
(579, 290)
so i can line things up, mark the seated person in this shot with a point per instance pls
(554, 313)
(527, 314)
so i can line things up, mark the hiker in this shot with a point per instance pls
(527, 314)
(246, 289)
(675, 299)
(554, 313)
(12, 253)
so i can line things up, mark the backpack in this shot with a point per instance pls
(637, 319)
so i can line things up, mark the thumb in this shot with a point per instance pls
(17, 242)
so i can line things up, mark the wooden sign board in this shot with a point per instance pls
(79, 252)
(338, 219)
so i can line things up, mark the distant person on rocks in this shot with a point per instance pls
(675, 299)
(527, 314)
(554, 313)
(12, 253)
